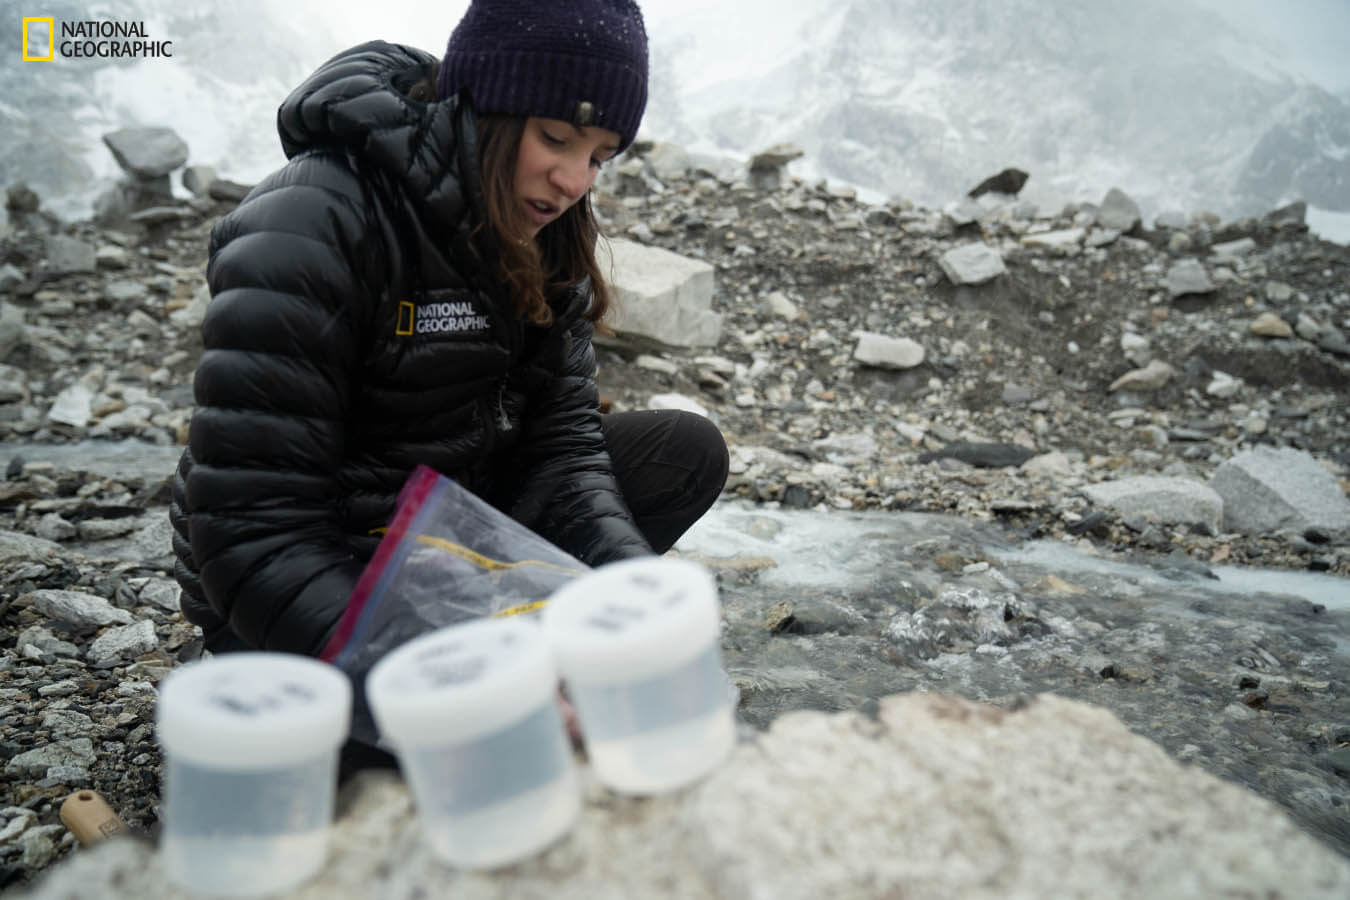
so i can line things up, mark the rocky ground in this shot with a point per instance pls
(1027, 359)
(1050, 359)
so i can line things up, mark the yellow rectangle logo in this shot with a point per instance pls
(29, 32)
(406, 313)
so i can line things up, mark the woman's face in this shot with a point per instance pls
(556, 165)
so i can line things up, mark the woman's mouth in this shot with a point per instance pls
(540, 213)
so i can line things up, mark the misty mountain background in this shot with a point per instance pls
(903, 98)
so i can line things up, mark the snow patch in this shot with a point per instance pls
(1329, 225)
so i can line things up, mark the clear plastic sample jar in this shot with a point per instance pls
(472, 712)
(638, 644)
(251, 747)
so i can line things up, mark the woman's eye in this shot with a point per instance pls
(597, 163)
(550, 139)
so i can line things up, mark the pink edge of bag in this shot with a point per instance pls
(410, 502)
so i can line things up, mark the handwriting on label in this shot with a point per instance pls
(447, 672)
(614, 617)
(234, 698)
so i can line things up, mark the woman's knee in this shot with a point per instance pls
(702, 440)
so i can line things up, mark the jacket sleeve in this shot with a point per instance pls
(272, 391)
(568, 491)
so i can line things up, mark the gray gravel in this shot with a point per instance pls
(995, 409)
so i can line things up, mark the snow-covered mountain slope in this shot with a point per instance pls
(923, 100)
(902, 97)
(232, 64)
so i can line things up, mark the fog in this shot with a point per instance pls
(1310, 35)
(719, 68)
(899, 97)
(715, 61)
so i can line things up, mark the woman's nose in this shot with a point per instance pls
(573, 177)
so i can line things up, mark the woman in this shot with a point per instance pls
(418, 285)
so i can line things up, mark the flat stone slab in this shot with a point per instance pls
(1233, 249)
(79, 608)
(17, 545)
(972, 264)
(984, 455)
(35, 762)
(1055, 240)
(932, 797)
(1118, 211)
(775, 156)
(1169, 501)
(147, 153)
(158, 215)
(886, 352)
(1188, 276)
(67, 256)
(123, 643)
(1267, 490)
(226, 190)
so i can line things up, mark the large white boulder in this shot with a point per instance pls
(661, 295)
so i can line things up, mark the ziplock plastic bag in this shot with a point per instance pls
(447, 557)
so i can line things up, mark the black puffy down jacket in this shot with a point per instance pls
(353, 334)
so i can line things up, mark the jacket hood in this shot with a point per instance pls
(356, 102)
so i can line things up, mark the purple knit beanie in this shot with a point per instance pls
(582, 61)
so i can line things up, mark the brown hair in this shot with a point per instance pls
(563, 253)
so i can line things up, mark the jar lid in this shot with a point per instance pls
(253, 710)
(461, 682)
(633, 619)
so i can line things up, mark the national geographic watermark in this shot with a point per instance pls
(44, 38)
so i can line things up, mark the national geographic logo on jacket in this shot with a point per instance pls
(443, 314)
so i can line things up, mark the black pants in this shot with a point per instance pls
(670, 466)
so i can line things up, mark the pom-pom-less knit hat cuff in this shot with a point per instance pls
(582, 61)
(577, 89)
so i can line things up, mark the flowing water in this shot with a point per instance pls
(1243, 672)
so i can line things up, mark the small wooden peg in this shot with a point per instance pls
(90, 818)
